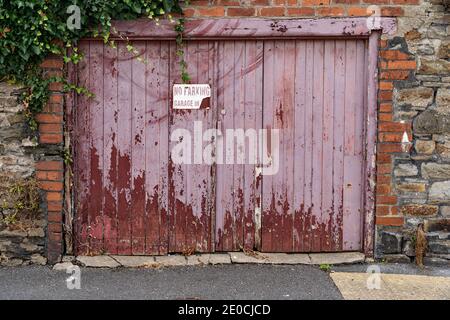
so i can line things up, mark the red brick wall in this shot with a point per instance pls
(293, 8)
(50, 169)
(393, 65)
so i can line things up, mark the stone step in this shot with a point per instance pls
(439, 246)
(439, 256)
(438, 235)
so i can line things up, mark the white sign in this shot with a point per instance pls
(191, 96)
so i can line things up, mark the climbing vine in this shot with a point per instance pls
(32, 30)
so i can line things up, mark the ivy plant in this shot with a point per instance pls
(33, 29)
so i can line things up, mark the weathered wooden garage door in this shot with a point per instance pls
(131, 198)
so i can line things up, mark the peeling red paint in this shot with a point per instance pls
(133, 199)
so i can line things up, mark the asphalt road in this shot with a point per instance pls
(234, 282)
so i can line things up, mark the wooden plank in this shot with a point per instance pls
(268, 195)
(138, 145)
(97, 147)
(226, 178)
(110, 153)
(349, 140)
(189, 170)
(353, 173)
(238, 124)
(309, 94)
(299, 146)
(371, 80)
(219, 200)
(177, 192)
(253, 28)
(259, 111)
(163, 128)
(252, 121)
(205, 66)
(317, 144)
(338, 137)
(82, 245)
(154, 114)
(214, 64)
(124, 150)
(327, 221)
(288, 140)
(277, 84)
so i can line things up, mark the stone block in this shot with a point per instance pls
(439, 247)
(437, 225)
(425, 146)
(411, 187)
(418, 97)
(63, 266)
(405, 170)
(433, 170)
(440, 192)
(134, 261)
(171, 261)
(445, 211)
(443, 150)
(419, 210)
(98, 261)
(337, 258)
(396, 258)
(434, 66)
(390, 242)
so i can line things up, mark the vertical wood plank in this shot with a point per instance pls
(177, 190)
(205, 67)
(317, 144)
(259, 111)
(138, 143)
(225, 177)
(299, 145)
(82, 245)
(252, 121)
(163, 128)
(189, 170)
(268, 195)
(288, 140)
(238, 124)
(338, 153)
(354, 156)
(279, 187)
(155, 111)
(349, 139)
(328, 210)
(110, 152)
(124, 149)
(97, 147)
(219, 208)
(308, 121)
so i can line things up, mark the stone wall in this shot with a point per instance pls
(414, 179)
(23, 240)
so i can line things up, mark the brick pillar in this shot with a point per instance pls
(394, 65)
(50, 168)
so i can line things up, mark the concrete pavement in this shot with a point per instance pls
(228, 281)
(232, 281)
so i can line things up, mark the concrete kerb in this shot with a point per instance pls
(114, 261)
